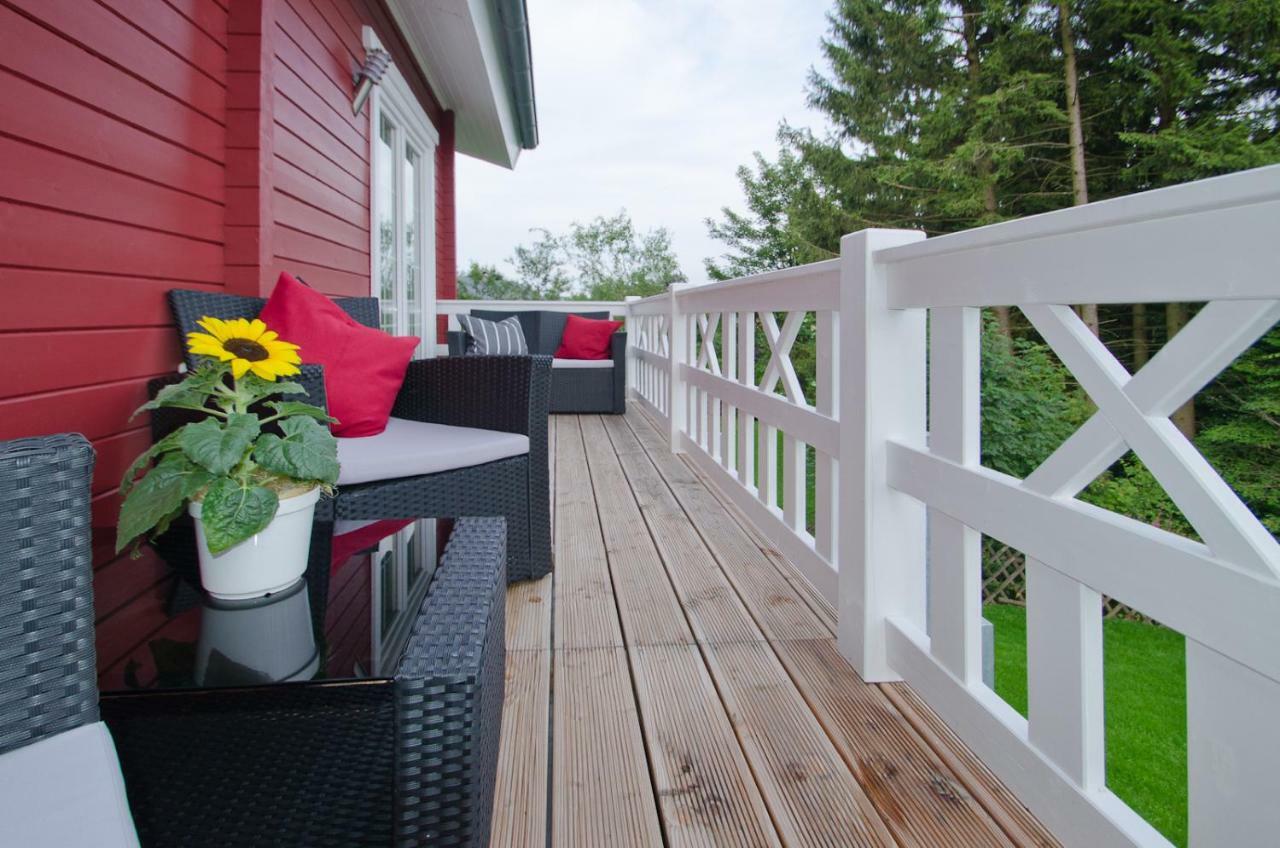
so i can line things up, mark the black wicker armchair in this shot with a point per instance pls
(508, 394)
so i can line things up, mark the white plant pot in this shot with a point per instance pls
(264, 563)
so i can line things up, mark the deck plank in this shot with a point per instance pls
(529, 615)
(705, 788)
(809, 789)
(779, 610)
(601, 794)
(713, 607)
(813, 795)
(520, 793)
(585, 615)
(651, 614)
(1004, 807)
(921, 800)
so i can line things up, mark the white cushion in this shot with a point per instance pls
(411, 448)
(65, 791)
(582, 363)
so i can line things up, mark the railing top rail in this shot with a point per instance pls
(458, 305)
(1244, 188)
(766, 278)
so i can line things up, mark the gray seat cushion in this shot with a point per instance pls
(412, 448)
(581, 363)
(65, 791)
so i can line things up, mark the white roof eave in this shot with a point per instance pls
(456, 45)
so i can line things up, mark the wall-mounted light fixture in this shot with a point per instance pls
(370, 74)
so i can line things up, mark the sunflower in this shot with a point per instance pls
(247, 345)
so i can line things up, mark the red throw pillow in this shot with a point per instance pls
(363, 367)
(586, 338)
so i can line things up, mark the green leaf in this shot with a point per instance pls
(216, 445)
(168, 443)
(288, 408)
(233, 511)
(158, 496)
(308, 451)
(192, 393)
(253, 388)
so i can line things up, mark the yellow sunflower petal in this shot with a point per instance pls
(256, 329)
(268, 336)
(240, 367)
(216, 327)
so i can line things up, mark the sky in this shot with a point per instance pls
(648, 106)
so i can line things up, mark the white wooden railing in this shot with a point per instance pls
(894, 427)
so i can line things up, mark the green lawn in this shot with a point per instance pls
(1146, 710)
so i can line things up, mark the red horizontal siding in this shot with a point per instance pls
(114, 39)
(42, 177)
(51, 120)
(85, 300)
(36, 237)
(65, 65)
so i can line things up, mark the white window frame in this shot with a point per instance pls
(396, 99)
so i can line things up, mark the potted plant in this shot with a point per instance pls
(249, 471)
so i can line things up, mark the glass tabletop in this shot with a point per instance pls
(347, 618)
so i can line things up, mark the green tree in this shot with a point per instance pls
(486, 282)
(606, 258)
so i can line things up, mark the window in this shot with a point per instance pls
(402, 275)
(402, 249)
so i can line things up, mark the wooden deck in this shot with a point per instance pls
(677, 683)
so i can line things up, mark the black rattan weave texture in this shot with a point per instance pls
(48, 679)
(449, 692)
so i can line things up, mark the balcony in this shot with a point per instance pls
(721, 659)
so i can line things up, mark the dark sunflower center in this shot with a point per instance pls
(246, 349)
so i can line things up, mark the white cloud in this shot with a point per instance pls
(647, 105)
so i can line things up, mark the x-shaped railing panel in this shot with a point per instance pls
(780, 367)
(707, 327)
(1134, 410)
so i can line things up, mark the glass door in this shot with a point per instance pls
(402, 276)
(403, 223)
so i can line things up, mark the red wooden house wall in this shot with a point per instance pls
(153, 144)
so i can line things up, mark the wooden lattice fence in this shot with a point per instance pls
(1004, 581)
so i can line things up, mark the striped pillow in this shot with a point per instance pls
(493, 338)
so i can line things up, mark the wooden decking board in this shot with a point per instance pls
(713, 607)
(823, 609)
(529, 615)
(650, 612)
(813, 795)
(520, 794)
(1016, 820)
(586, 616)
(921, 800)
(706, 791)
(600, 790)
(776, 606)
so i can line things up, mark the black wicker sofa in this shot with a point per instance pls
(576, 385)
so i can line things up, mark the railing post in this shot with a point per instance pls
(678, 397)
(633, 372)
(881, 545)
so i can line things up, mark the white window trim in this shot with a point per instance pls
(394, 97)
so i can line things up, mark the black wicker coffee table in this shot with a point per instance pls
(362, 706)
